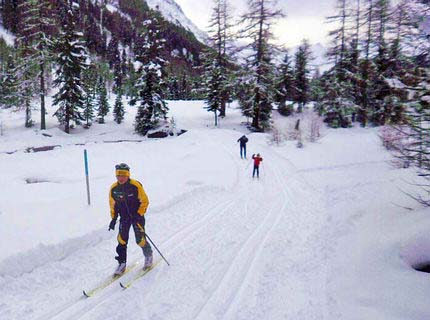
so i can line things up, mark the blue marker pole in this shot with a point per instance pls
(86, 175)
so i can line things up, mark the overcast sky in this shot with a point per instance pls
(305, 18)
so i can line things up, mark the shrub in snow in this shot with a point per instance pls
(306, 126)
(277, 137)
(315, 127)
(286, 109)
(397, 141)
(391, 138)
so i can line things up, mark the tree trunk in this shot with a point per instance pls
(222, 109)
(27, 114)
(67, 120)
(42, 97)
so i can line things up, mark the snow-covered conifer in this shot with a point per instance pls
(152, 106)
(258, 21)
(285, 84)
(118, 110)
(71, 60)
(9, 84)
(36, 23)
(102, 101)
(301, 74)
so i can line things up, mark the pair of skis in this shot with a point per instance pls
(107, 282)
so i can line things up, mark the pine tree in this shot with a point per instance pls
(102, 101)
(317, 92)
(10, 14)
(152, 106)
(285, 84)
(36, 25)
(71, 61)
(118, 110)
(366, 68)
(213, 85)
(335, 103)
(185, 90)
(197, 92)
(301, 74)
(88, 109)
(89, 78)
(381, 91)
(215, 62)
(26, 73)
(244, 94)
(258, 27)
(336, 91)
(9, 96)
(417, 151)
(118, 77)
(130, 88)
(113, 54)
(338, 51)
(399, 68)
(173, 88)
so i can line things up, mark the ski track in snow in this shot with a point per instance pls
(224, 246)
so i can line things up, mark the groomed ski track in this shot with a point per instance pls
(254, 251)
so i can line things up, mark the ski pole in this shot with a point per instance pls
(86, 176)
(156, 248)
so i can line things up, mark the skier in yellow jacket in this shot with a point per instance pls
(129, 201)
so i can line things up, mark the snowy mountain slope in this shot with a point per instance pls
(173, 13)
(323, 234)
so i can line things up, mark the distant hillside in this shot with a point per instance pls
(111, 23)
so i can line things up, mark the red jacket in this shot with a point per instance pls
(257, 160)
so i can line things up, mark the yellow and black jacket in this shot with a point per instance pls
(127, 200)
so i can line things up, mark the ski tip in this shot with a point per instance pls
(85, 294)
(122, 286)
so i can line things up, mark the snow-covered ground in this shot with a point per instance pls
(327, 232)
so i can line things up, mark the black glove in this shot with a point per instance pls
(112, 224)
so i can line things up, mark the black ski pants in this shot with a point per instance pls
(139, 233)
(243, 150)
(256, 170)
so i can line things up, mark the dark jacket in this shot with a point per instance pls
(243, 140)
(128, 200)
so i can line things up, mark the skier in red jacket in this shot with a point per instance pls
(257, 160)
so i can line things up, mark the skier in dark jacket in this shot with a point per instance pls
(257, 160)
(129, 201)
(243, 140)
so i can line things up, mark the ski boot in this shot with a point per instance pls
(120, 269)
(148, 262)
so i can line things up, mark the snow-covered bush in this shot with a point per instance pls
(301, 127)
(396, 140)
(316, 123)
(392, 138)
(286, 109)
(277, 137)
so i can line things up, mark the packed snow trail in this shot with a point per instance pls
(253, 251)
